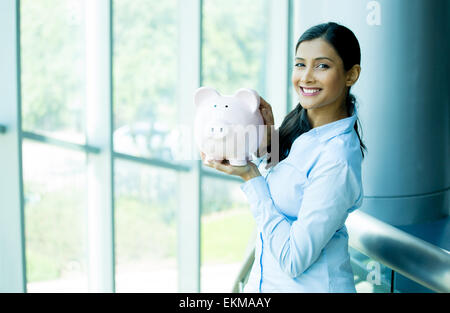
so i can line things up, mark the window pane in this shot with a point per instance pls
(234, 44)
(145, 79)
(52, 33)
(145, 217)
(233, 56)
(227, 227)
(370, 276)
(54, 184)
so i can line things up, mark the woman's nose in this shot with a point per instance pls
(307, 76)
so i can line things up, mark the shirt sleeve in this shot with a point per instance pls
(258, 161)
(333, 189)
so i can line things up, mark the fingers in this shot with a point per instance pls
(267, 116)
(208, 162)
(263, 103)
(223, 166)
(203, 159)
(266, 111)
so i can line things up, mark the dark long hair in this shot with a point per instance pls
(347, 47)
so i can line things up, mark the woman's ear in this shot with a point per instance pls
(352, 75)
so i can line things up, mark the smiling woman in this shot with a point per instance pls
(327, 64)
(300, 206)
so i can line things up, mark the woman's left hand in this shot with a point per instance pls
(246, 172)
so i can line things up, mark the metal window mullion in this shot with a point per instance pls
(189, 183)
(291, 100)
(12, 238)
(155, 162)
(277, 59)
(59, 143)
(100, 194)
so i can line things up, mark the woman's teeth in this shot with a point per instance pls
(305, 90)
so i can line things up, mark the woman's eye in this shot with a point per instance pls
(299, 64)
(322, 65)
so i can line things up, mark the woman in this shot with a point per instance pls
(301, 204)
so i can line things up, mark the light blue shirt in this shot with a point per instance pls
(300, 206)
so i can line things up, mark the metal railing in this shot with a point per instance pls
(412, 257)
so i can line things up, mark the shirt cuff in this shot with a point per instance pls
(256, 190)
(257, 161)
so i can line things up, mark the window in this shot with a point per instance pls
(63, 151)
(370, 276)
(233, 57)
(52, 32)
(146, 228)
(226, 229)
(145, 118)
(234, 44)
(145, 77)
(54, 184)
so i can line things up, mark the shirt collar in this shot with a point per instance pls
(330, 130)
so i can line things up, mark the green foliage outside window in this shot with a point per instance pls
(145, 85)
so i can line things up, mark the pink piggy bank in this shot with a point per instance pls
(228, 127)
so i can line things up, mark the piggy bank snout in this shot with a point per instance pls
(217, 130)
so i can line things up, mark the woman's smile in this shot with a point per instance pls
(309, 91)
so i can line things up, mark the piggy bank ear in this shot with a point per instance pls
(249, 97)
(203, 94)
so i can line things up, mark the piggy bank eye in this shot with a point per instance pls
(226, 105)
(215, 105)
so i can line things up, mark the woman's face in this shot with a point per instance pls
(318, 76)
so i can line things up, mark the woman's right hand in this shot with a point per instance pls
(267, 115)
